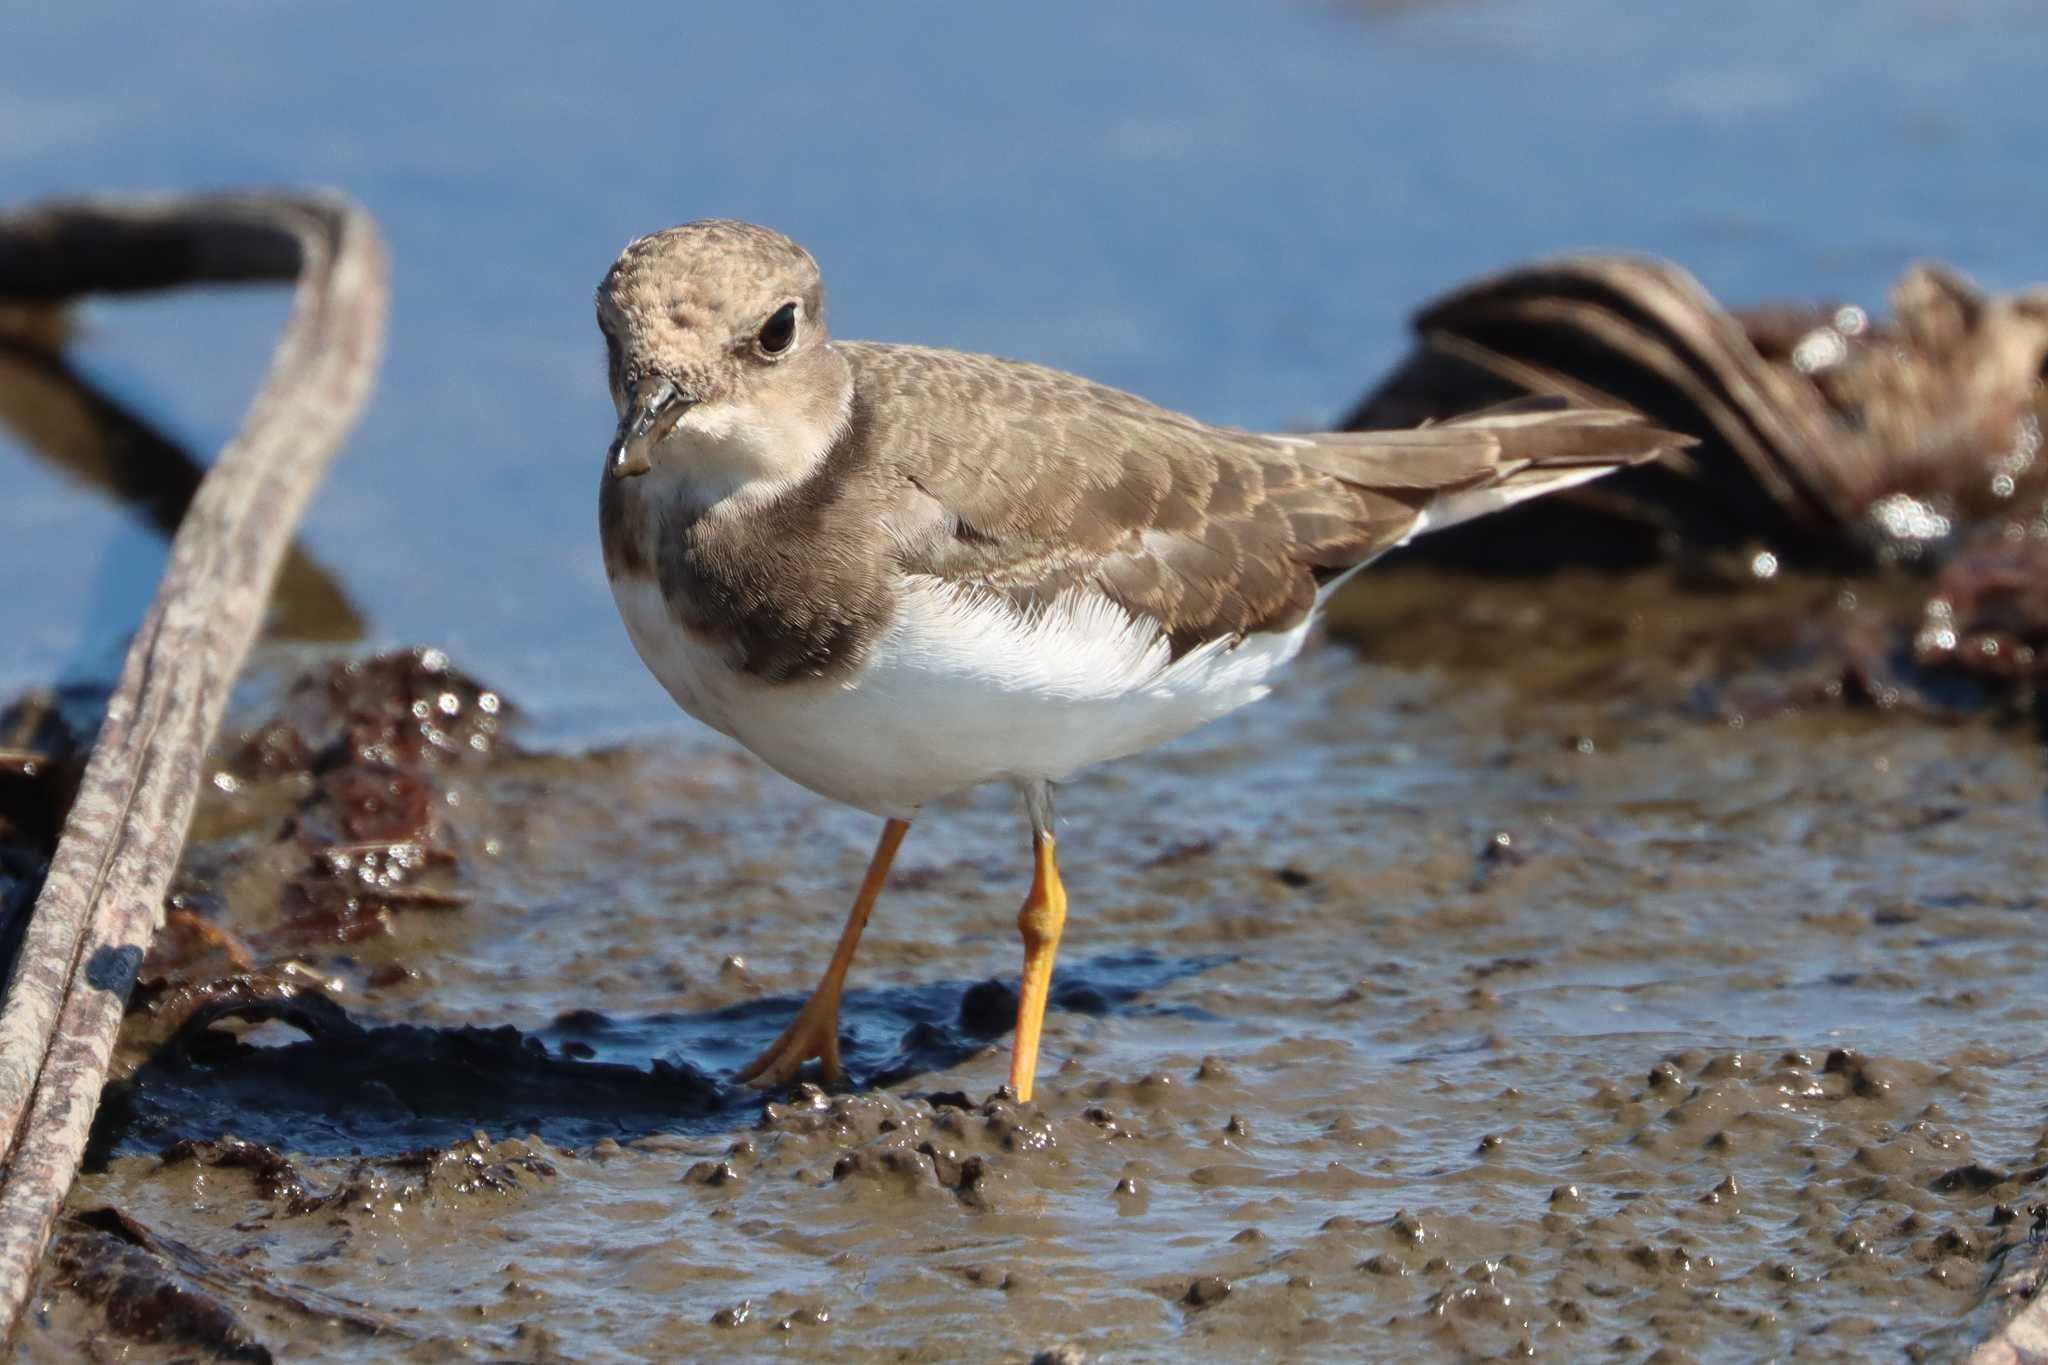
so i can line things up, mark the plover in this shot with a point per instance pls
(894, 572)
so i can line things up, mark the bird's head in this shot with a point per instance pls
(720, 368)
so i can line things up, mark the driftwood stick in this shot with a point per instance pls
(105, 889)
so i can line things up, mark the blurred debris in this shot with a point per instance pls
(371, 827)
(1829, 438)
(1956, 647)
(1976, 645)
(1988, 616)
(358, 749)
(1842, 652)
(394, 709)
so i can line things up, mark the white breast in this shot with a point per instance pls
(961, 690)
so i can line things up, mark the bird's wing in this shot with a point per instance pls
(1030, 483)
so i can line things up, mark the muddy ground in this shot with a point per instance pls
(1586, 969)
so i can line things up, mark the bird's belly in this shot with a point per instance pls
(959, 691)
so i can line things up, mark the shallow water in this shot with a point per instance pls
(1678, 1067)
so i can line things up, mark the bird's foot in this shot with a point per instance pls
(813, 1033)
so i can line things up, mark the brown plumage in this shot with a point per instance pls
(894, 573)
(1025, 482)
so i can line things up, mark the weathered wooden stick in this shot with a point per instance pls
(105, 890)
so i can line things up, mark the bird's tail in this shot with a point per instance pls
(1546, 447)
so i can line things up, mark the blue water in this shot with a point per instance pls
(1230, 208)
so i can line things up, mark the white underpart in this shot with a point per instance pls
(1448, 509)
(960, 690)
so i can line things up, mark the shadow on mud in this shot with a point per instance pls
(342, 1086)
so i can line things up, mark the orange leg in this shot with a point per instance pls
(1040, 921)
(815, 1030)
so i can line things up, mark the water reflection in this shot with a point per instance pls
(62, 417)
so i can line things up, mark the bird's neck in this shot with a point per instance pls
(750, 449)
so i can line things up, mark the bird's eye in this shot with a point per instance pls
(779, 331)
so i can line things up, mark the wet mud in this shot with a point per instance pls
(1588, 968)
